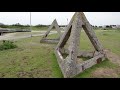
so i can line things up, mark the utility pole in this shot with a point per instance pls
(30, 24)
(67, 22)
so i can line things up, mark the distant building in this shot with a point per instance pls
(104, 27)
(113, 26)
(118, 26)
(63, 26)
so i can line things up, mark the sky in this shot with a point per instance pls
(63, 18)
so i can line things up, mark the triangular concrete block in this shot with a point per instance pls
(69, 64)
(57, 28)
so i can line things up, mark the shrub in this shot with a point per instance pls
(7, 45)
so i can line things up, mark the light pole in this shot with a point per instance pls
(30, 20)
(67, 21)
(30, 24)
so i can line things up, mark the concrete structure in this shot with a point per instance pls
(68, 58)
(6, 30)
(3, 31)
(45, 40)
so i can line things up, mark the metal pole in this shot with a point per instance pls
(67, 21)
(30, 20)
(30, 24)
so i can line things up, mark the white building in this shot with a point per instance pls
(118, 26)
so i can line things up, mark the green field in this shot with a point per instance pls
(35, 60)
(39, 28)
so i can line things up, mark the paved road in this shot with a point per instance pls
(13, 36)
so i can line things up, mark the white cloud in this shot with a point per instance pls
(103, 18)
(14, 17)
(95, 18)
(48, 17)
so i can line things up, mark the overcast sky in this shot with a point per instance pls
(95, 18)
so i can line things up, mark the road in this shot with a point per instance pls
(20, 35)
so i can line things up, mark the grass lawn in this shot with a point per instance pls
(39, 28)
(32, 59)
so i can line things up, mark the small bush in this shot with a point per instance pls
(7, 45)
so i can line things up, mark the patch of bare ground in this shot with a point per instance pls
(42, 73)
(108, 72)
(24, 74)
(104, 73)
(2, 75)
(118, 70)
(35, 73)
(113, 57)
